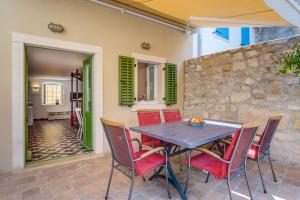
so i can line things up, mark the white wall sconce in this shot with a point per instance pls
(35, 89)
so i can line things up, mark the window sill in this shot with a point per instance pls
(148, 105)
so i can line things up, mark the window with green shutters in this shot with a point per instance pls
(126, 81)
(141, 82)
(171, 84)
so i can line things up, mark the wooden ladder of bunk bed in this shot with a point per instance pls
(75, 96)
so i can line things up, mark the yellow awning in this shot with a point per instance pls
(212, 13)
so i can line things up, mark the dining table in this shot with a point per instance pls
(178, 137)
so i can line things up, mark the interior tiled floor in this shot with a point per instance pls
(87, 180)
(53, 139)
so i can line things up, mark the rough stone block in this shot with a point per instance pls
(240, 97)
(238, 65)
(252, 62)
(237, 56)
(296, 91)
(227, 68)
(258, 94)
(198, 68)
(295, 121)
(293, 106)
(250, 81)
(284, 136)
(251, 53)
(296, 149)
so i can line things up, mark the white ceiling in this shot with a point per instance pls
(53, 63)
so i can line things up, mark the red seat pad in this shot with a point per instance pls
(212, 165)
(253, 152)
(148, 163)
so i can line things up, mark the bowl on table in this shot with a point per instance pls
(196, 122)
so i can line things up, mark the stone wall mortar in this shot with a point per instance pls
(240, 85)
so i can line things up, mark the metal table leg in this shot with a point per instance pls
(172, 179)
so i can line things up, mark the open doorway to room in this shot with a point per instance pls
(58, 87)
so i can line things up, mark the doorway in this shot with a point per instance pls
(58, 111)
(19, 41)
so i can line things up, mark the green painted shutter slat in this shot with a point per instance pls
(171, 83)
(126, 81)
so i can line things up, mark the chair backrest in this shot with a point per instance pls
(148, 117)
(238, 149)
(268, 133)
(172, 115)
(79, 115)
(119, 141)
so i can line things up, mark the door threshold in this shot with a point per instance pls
(60, 161)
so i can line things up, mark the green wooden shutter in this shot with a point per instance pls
(171, 83)
(126, 81)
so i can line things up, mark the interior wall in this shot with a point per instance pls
(117, 33)
(41, 111)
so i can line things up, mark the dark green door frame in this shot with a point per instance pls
(26, 90)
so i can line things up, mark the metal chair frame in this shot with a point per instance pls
(130, 172)
(262, 154)
(229, 162)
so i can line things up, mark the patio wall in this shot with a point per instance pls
(240, 85)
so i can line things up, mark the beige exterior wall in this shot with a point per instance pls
(85, 22)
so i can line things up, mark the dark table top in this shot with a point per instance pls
(182, 134)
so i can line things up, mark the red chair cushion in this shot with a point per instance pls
(253, 152)
(148, 163)
(212, 165)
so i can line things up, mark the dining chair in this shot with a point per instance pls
(149, 117)
(79, 116)
(231, 164)
(126, 160)
(173, 115)
(261, 148)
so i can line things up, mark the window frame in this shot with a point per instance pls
(245, 36)
(159, 66)
(223, 32)
(43, 93)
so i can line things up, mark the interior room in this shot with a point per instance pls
(55, 97)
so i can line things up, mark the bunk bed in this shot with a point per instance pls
(76, 97)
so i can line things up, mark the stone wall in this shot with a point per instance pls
(240, 85)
